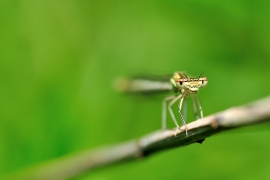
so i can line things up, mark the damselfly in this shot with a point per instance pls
(182, 84)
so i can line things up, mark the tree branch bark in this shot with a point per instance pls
(73, 165)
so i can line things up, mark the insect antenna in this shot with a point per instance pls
(201, 74)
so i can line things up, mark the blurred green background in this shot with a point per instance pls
(58, 59)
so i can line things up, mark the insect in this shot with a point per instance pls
(182, 84)
(186, 86)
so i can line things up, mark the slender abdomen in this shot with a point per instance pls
(141, 85)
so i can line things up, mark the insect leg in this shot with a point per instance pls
(179, 110)
(171, 111)
(194, 107)
(199, 105)
(164, 109)
(184, 109)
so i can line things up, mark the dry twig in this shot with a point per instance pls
(76, 164)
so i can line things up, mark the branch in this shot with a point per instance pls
(86, 161)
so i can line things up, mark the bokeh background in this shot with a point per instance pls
(58, 59)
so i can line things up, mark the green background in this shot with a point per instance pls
(58, 59)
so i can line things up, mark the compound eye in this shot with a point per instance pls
(181, 81)
(203, 80)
